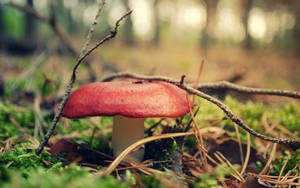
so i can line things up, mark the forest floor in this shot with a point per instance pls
(74, 156)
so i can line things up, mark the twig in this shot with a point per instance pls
(38, 117)
(59, 31)
(249, 90)
(199, 140)
(269, 160)
(247, 154)
(73, 79)
(182, 79)
(282, 169)
(176, 156)
(92, 28)
(224, 160)
(215, 101)
(105, 39)
(240, 143)
(191, 120)
(198, 77)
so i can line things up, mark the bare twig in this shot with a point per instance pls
(249, 90)
(215, 101)
(105, 39)
(92, 28)
(73, 79)
(59, 31)
(38, 117)
(247, 154)
(224, 160)
(198, 76)
(264, 170)
(282, 168)
(239, 142)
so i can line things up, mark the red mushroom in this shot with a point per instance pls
(129, 103)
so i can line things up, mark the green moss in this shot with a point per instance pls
(20, 166)
(211, 180)
(24, 119)
(165, 148)
(72, 176)
(293, 160)
(149, 181)
(22, 158)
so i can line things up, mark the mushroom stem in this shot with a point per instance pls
(125, 132)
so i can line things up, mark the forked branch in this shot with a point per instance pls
(81, 58)
(215, 101)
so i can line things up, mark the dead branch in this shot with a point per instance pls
(73, 77)
(249, 90)
(60, 32)
(215, 101)
(92, 28)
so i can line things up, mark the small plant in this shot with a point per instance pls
(292, 161)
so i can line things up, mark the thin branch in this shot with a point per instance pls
(92, 28)
(213, 100)
(105, 39)
(249, 90)
(63, 36)
(73, 79)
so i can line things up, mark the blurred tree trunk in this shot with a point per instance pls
(1, 27)
(59, 9)
(72, 27)
(128, 37)
(156, 37)
(245, 7)
(30, 24)
(296, 30)
(211, 10)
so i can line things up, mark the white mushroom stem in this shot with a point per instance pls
(127, 131)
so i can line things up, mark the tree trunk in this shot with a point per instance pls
(296, 30)
(1, 27)
(245, 7)
(211, 9)
(128, 37)
(30, 24)
(156, 37)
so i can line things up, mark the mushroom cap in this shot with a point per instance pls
(139, 99)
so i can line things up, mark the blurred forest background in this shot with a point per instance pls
(252, 42)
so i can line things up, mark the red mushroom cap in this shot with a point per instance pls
(131, 99)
